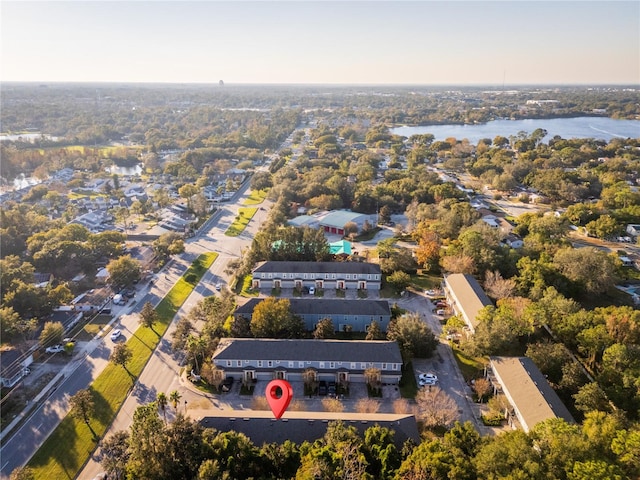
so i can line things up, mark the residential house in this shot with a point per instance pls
(261, 427)
(466, 297)
(41, 280)
(341, 361)
(531, 397)
(13, 365)
(633, 230)
(356, 315)
(339, 275)
(514, 241)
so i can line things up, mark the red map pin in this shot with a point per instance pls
(280, 403)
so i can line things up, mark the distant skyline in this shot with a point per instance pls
(318, 42)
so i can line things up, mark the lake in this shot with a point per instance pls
(600, 128)
(127, 171)
(27, 137)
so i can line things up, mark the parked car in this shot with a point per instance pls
(428, 376)
(227, 384)
(427, 379)
(440, 312)
(115, 335)
(322, 388)
(54, 349)
(218, 286)
(430, 293)
(331, 389)
(312, 290)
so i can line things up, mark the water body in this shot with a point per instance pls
(127, 171)
(599, 128)
(26, 137)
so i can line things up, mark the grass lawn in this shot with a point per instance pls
(246, 290)
(86, 332)
(408, 385)
(471, 367)
(67, 449)
(256, 197)
(426, 281)
(242, 220)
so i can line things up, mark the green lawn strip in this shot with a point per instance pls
(423, 281)
(408, 385)
(471, 367)
(256, 197)
(240, 223)
(246, 290)
(67, 449)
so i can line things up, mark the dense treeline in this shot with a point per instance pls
(602, 448)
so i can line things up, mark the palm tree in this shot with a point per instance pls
(162, 400)
(175, 397)
(196, 346)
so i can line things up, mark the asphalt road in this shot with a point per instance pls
(161, 373)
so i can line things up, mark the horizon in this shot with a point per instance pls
(404, 43)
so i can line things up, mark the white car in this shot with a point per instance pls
(428, 377)
(426, 382)
(431, 293)
(115, 335)
(54, 349)
(312, 290)
(218, 286)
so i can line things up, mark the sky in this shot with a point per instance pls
(322, 42)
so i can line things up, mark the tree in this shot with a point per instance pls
(115, 454)
(413, 335)
(124, 271)
(121, 355)
(148, 316)
(385, 215)
(272, 318)
(162, 401)
(179, 336)
(435, 407)
(591, 397)
(482, 387)
(589, 267)
(373, 377)
(332, 405)
(83, 406)
(170, 243)
(261, 181)
(498, 287)
(324, 329)
(175, 397)
(51, 334)
(187, 192)
(399, 280)
(213, 375)
(196, 347)
(23, 473)
(350, 229)
(374, 332)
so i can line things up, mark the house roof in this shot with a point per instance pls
(307, 350)
(468, 293)
(339, 218)
(303, 220)
(325, 306)
(261, 427)
(341, 247)
(318, 267)
(529, 390)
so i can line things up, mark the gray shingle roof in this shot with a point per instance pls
(261, 427)
(318, 267)
(307, 350)
(325, 306)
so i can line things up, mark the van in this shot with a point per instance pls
(118, 299)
